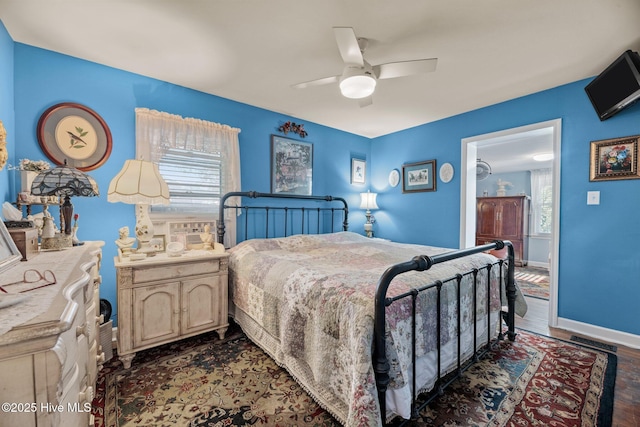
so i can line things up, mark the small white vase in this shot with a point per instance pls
(74, 235)
(26, 179)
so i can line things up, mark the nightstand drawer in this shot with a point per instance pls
(149, 274)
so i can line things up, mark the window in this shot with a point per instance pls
(199, 160)
(541, 201)
(194, 181)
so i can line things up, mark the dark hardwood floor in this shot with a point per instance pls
(626, 408)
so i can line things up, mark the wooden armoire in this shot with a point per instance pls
(504, 218)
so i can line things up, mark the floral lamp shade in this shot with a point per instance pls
(64, 181)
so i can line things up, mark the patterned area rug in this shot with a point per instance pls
(533, 281)
(202, 381)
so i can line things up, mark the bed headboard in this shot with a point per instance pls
(290, 214)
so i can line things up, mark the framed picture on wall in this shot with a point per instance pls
(358, 171)
(420, 176)
(613, 159)
(74, 134)
(291, 166)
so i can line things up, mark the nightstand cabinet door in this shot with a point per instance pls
(204, 303)
(156, 314)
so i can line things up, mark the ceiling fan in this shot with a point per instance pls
(483, 170)
(358, 79)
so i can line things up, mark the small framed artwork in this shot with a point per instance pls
(613, 159)
(291, 166)
(74, 134)
(420, 176)
(9, 253)
(158, 243)
(358, 171)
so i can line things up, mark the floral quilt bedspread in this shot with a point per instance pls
(308, 300)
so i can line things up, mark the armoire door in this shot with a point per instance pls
(487, 218)
(510, 219)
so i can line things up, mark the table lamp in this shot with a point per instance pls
(64, 181)
(140, 183)
(368, 202)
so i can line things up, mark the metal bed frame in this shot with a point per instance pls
(287, 210)
(380, 361)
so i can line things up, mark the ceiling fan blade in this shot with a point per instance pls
(318, 82)
(348, 45)
(364, 102)
(405, 68)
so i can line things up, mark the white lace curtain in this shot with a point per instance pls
(541, 197)
(157, 132)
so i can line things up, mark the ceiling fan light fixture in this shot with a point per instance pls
(355, 84)
(543, 157)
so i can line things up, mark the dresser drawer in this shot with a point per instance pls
(150, 274)
(68, 347)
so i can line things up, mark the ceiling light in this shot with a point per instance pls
(543, 157)
(357, 83)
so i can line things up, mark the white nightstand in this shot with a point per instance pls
(163, 299)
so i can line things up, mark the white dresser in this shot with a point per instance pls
(49, 351)
(163, 299)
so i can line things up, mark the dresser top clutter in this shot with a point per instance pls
(43, 312)
(162, 258)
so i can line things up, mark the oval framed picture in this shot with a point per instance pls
(446, 172)
(394, 177)
(76, 134)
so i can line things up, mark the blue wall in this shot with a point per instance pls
(599, 262)
(599, 256)
(45, 78)
(521, 184)
(6, 106)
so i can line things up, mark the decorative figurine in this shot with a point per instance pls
(502, 187)
(207, 238)
(125, 243)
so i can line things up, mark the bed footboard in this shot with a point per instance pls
(381, 364)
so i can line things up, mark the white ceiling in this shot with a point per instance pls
(252, 51)
(514, 153)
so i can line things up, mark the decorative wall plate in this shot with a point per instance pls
(74, 133)
(394, 178)
(446, 172)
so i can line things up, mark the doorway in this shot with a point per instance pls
(468, 192)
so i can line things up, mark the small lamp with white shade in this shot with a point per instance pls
(368, 202)
(140, 183)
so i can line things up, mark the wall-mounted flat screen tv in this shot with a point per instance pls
(616, 87)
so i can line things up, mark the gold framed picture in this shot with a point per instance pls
(613, 159)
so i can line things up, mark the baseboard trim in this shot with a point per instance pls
(600, 333)
(538, 264)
